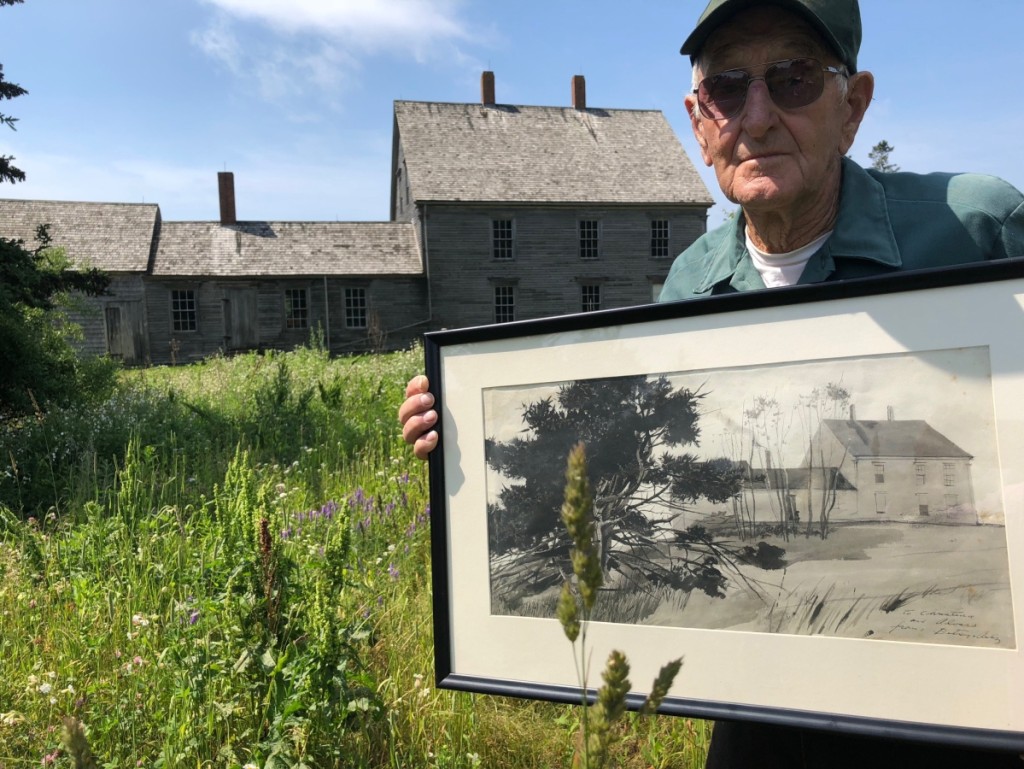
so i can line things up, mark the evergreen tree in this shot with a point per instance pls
(880, 157)
(8, 172)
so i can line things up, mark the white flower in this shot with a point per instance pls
(45, 688)
(139, 621)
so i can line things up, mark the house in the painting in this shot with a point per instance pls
(497, 213)
(868, 470)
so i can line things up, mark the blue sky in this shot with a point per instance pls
(146, 100)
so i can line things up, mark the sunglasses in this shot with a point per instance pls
(792, 84)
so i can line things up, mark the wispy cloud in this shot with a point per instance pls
(291, 49)
(398, 24)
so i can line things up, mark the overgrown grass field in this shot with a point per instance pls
(227, 565)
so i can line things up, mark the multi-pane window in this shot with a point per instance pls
(919, 474)
(590, 240)
(659, 238)
(296, 308)
(922, 504)
(183, 310)
(504, 304)
(879, 469)
(355, 308)
(591, 297)
(502, 238)
(948, 474)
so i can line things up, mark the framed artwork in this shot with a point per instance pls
(813, 495)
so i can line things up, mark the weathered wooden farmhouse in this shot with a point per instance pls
(498, 213)
(899, 470)
(870, 470)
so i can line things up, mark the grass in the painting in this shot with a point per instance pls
(227, 565)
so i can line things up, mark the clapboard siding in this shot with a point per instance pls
(126, 294)
(399, 304)
(547, 271)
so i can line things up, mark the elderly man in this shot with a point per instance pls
(776, 104)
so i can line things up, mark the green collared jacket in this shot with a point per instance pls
(887, 222)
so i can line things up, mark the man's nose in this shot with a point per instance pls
(759, 111)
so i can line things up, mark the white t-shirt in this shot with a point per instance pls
(783, 269)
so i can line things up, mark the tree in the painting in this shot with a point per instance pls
(825, 459)
(816, 480)
(769, 427)
(637, 431)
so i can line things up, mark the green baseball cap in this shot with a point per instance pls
(838, 22)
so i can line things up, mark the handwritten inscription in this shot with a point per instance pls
(952, 626)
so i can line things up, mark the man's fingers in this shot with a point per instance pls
(415, 405)
(425, 445)
(417, 385)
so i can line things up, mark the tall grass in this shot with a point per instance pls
(227, 565)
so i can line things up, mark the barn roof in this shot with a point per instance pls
(515, 154)
(907, 438)
(287, 248)
(114, 237)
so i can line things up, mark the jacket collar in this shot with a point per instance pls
(863, 231)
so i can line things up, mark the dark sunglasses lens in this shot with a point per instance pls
(795, 83)
(722, 95)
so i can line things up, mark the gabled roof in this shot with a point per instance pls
(287, 248)
(492, 153)
(115, 237)
(910, 438)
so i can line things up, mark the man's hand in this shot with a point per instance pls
(418, 417)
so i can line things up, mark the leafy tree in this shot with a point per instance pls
(40, 365)
(636, 431)
(38, 362)
(880, 157)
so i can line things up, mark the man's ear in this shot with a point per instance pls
(690, 102)
(859, 91)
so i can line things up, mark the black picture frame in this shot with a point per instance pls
(933, 654)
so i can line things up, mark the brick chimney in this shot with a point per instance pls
(487, 88)
(579, 92)
(226, 188)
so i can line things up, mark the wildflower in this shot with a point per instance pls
(193, 618)
(250, 765)
(139, 620)
(45, 688)
(392, 571)
(139, 662)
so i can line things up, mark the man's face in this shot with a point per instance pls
(768, 159)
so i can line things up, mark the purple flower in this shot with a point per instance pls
(393, 571)
(193, 618)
